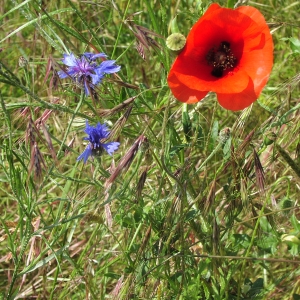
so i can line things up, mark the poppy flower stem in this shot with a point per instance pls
(211, 126)
(186, 122)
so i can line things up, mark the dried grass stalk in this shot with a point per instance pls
(289, 160)
(36, 162)
(126, 160)
(259, 172)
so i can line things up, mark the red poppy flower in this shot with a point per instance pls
(229, 52)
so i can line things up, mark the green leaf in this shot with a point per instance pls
(265, 225)
(242, 240)
(256, 288)
(31, 22)
(112, 275)
(268, 243)
(295, 223)
(295, 45)
(227, 149)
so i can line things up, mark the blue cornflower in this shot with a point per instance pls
(96, 134)
(86, 71)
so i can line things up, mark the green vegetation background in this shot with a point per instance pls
(178, 212)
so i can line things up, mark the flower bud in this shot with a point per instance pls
(176, 42)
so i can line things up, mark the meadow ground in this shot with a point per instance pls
(195, 202)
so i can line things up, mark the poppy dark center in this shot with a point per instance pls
(221, 59)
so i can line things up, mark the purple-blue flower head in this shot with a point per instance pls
(95, 135)
(86, 71)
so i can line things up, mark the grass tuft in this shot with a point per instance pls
(197, 203)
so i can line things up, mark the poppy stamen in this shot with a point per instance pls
(221, 59)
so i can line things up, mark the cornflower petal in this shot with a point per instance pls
(63, 74)
(87, 87)
(108, 67)
(111, 147)
(85, 154)
(95, 135)
(69, 60)
(97, 78)
(91, 56)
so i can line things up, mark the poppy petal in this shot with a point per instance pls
(258, 51)
(238, 101)
(253, 13)
(182, 92)
(199, 78)
(259, 70)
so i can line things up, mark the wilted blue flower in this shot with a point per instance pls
(86, 71)
(96, 134)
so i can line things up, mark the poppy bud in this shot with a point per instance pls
(176, 42)
(286, 203)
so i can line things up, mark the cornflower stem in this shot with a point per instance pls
(64, 227)
(120, 29)
(68, 184)
(84, 21)
(82, 97)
